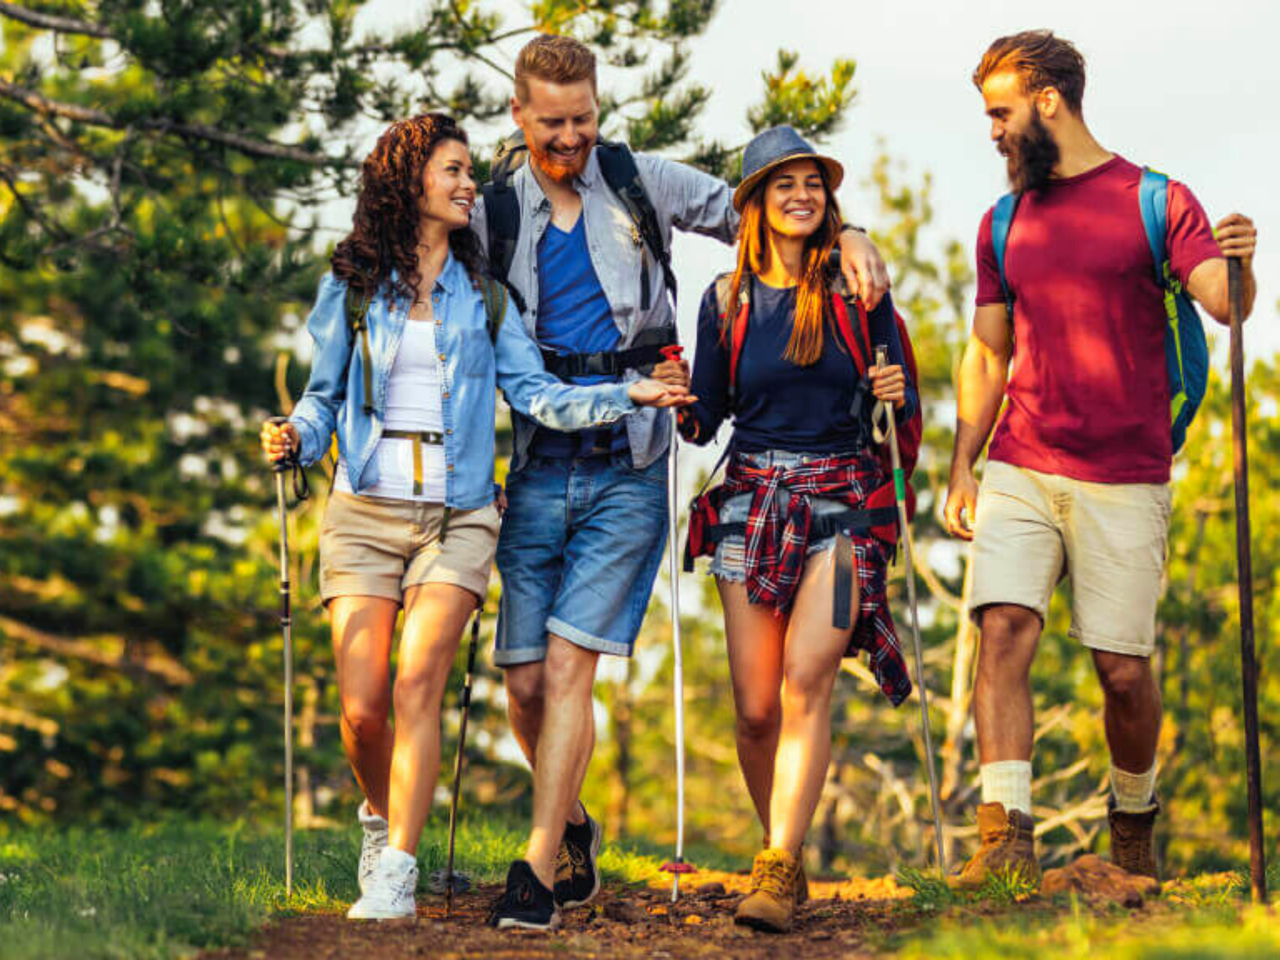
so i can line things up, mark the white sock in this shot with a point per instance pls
(1007, 782)
(397, 859)
(1134, 792)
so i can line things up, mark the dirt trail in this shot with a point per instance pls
(624, 922)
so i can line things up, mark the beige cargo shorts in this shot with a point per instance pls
(1033, 529)
(378, 547)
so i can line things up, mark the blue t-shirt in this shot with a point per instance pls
(781, 405)
(574, 316)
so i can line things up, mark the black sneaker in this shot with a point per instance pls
(526, 904)
(577, 877)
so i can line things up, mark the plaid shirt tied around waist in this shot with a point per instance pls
(777, 538)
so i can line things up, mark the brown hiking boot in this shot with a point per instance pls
(771, 904)
(802, 879)
(1132, 849)
(1008, 845)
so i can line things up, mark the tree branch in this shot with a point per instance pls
(161, 666)
(188, 131)
(47, 21)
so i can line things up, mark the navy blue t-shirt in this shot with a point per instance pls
(780, 404)
(574, 316)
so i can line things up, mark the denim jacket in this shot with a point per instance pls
(473, 367)
(683, 197)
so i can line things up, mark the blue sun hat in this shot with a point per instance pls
(772, 148)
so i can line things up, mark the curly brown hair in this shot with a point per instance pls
(384, 231)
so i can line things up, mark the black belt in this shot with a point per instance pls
(606, 363)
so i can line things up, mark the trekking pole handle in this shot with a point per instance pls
(672, 352)
(301, 490)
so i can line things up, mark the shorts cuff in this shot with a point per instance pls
(978, 604)
(516, 658)
(358, 585)
(580, 638)
(1111, 645)
(470, 582)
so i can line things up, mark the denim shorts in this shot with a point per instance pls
(580, 547)
(729, 563)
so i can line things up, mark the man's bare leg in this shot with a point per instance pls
(565, 742)
(526, 700)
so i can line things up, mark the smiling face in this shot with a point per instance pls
(448, 188)
(560, 123)
(795, 199)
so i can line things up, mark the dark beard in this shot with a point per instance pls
(1031, 157)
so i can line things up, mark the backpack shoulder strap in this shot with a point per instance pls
(358, 318)
(502, 207)
(844, 303)
(1153, 201)
(737, 326)
(495, 306)
(618, 166)
(1001, 221)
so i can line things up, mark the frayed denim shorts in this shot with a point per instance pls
(729, 563)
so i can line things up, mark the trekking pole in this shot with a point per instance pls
(677, 866)
(900, 497)
(287, 463)
(1244, 571)
(448, 879)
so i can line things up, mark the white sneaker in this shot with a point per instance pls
(390, 892)
(375, 839)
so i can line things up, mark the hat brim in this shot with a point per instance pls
(835, 175)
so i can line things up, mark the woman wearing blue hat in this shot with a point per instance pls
(789, 356)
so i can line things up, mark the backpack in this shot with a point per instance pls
(1185, 350)
(617, 165)
(862, 352)
(495, 310)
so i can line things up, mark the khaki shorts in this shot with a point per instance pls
(1032, 529)
(377, 547)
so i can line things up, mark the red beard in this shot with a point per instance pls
(557, 170)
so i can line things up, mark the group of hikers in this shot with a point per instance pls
(553, 282)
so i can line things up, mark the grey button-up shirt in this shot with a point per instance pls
(683, 197)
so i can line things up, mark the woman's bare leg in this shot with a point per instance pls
(435, 615)
(362, 631)
(755, 641)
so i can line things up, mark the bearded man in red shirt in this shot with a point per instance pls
(1077, 478)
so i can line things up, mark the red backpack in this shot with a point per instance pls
(862, 353)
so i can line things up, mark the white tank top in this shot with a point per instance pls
(413, 403)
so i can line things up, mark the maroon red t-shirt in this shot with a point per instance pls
(1088, 395)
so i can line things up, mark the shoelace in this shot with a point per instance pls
(772, 877)
(370, 851)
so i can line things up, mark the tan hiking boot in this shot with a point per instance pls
(771, 904)
(1008, 845)
(1132, 834)
(802, 879)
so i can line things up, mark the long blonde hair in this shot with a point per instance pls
(813, 296)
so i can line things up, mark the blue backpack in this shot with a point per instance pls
(1185, 351)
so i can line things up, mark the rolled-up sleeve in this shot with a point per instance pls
(531, 390)
(317, 412)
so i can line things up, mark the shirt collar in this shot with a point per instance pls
(449, 279)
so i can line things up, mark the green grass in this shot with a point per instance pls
(170, 890)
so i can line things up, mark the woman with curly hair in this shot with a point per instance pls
(411, 338)
(789, 528)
